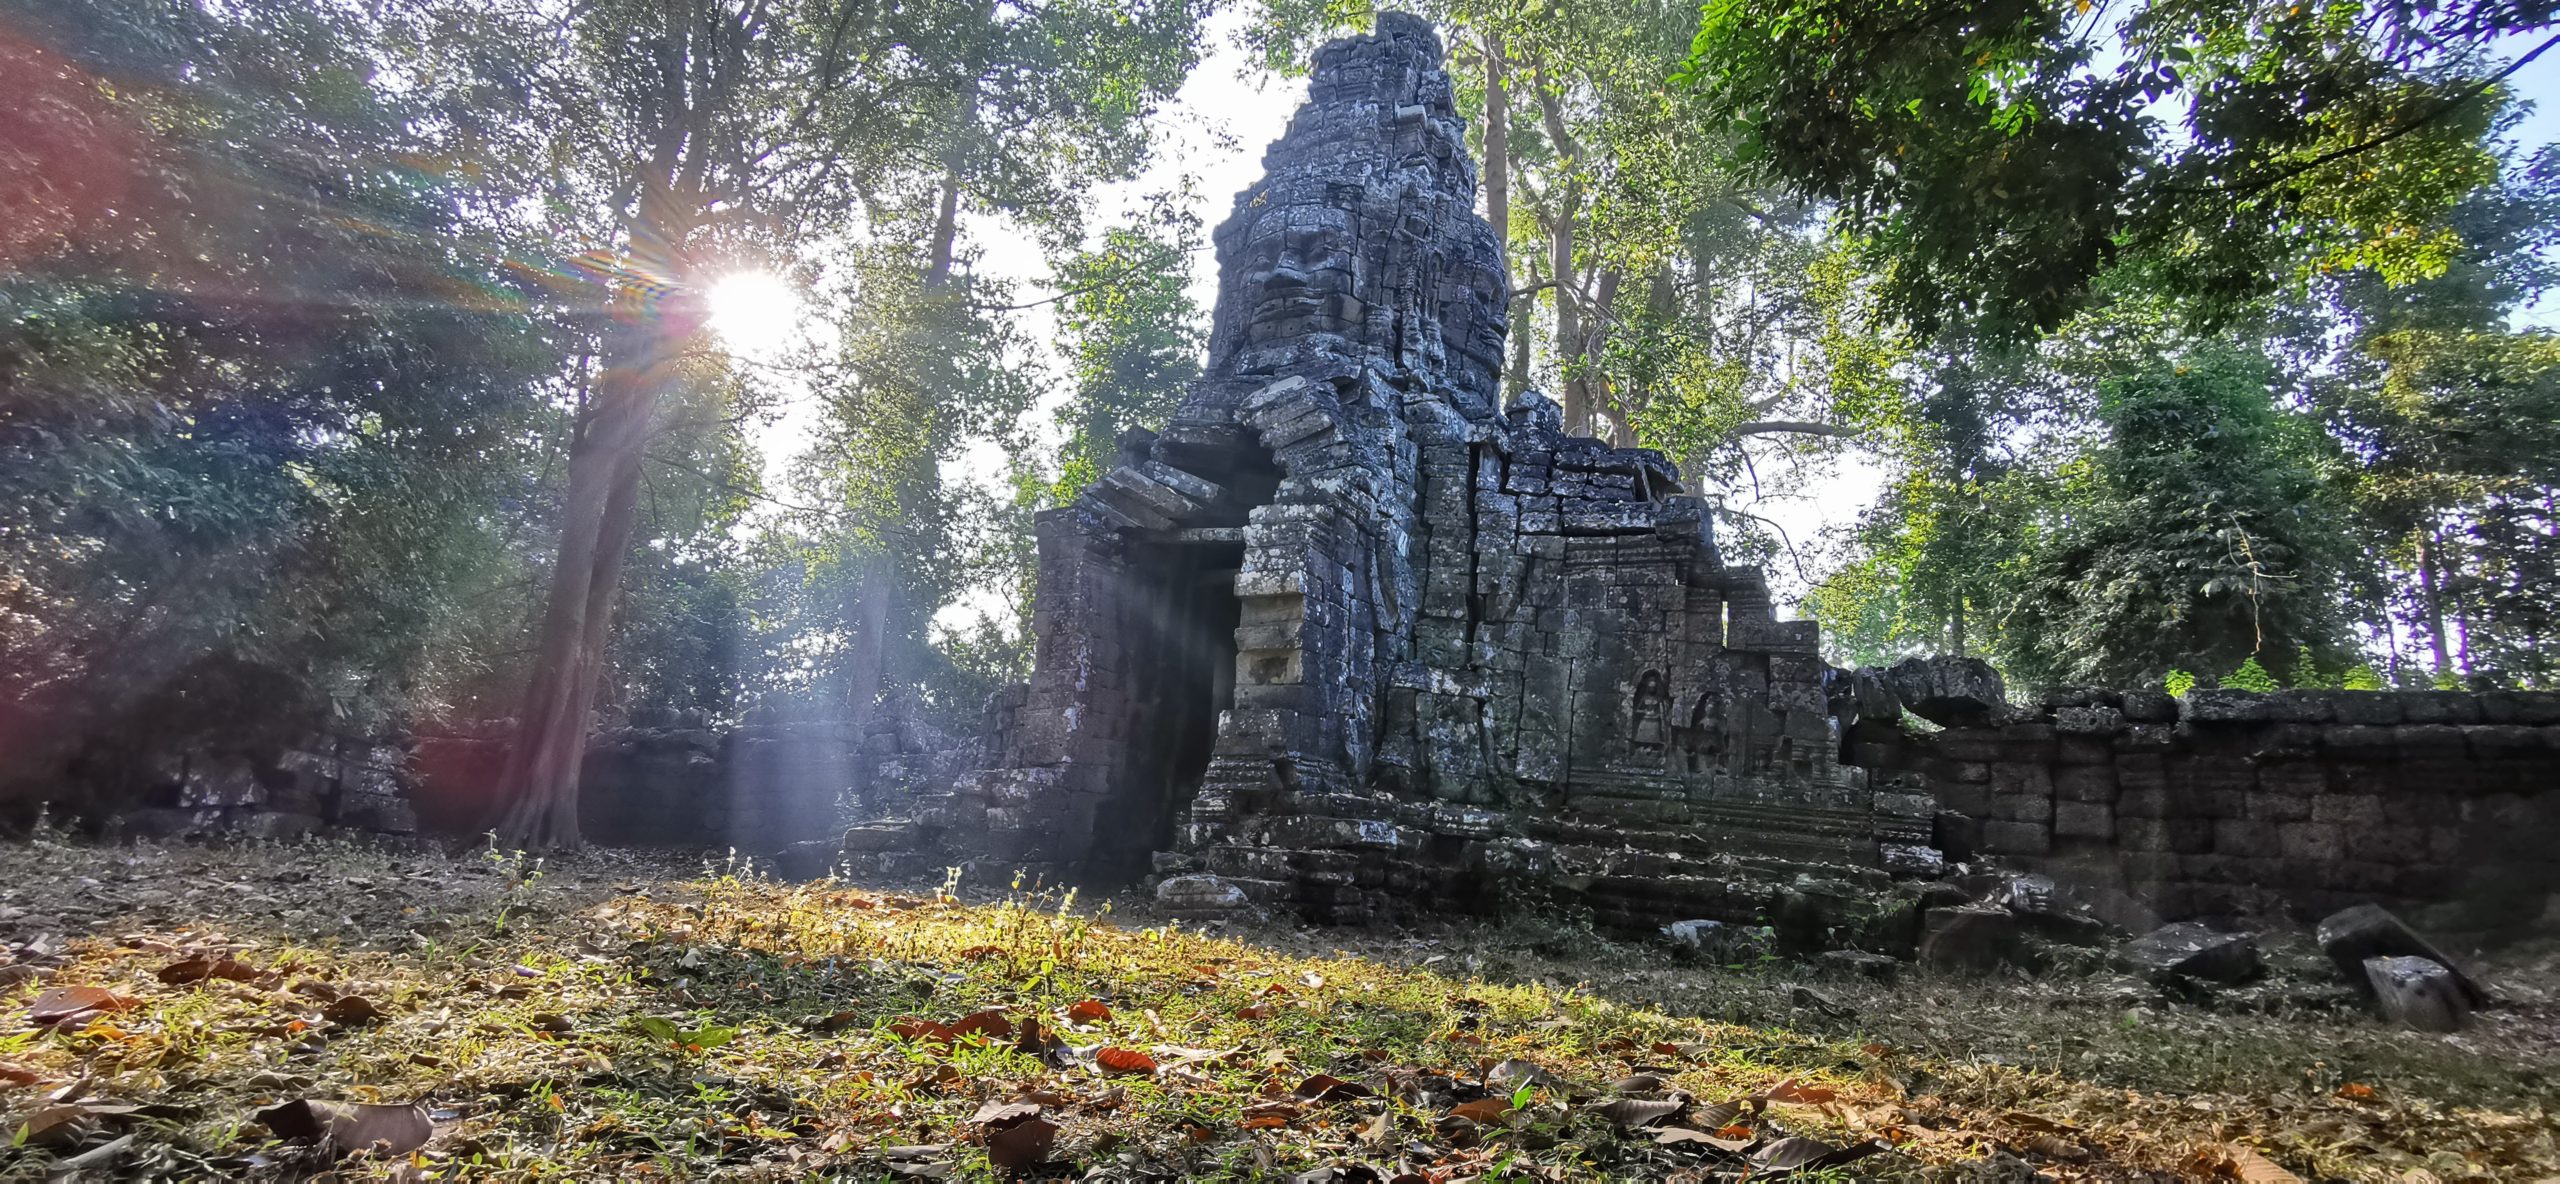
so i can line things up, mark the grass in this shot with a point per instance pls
(627, 1016)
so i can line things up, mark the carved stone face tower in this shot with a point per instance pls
(1349, 633)
(1362, 246)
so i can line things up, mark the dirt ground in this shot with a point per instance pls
(332, 1009)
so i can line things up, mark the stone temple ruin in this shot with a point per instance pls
(1352, 636)
(1353, 640)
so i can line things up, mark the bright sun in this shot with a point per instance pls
(755, 313)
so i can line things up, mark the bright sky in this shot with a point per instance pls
(1215, 131)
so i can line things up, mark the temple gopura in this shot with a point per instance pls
(1350, 634)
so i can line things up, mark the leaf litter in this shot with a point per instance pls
(229, 1013)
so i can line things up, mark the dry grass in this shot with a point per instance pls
(622, 1016)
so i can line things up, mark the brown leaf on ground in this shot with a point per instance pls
(1634, 1112)
(919, 1028)
(1325, 1087)
(1636, 1083)
(1088, 1011)
(1482, 1109)
(2057, 1147)
(991, 1024)
(1378, 1128)
(1790, 1091)
(196, 970)
(1718, 1116)
(2234, 1161)
(1001, 1115)
(64, 1005)
(351, 1010)
(64, 1122)
(1124, 1060)
(17, 1075)
(1677, 1136)
(981, 953)
(1263, 1122)
(351, 1126)
(1258, 1011)
(1023, 1145)
(1787, 1155)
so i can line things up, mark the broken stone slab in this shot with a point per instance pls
(806, 860)
(2420, 992)
(2191, 949)
(1202, 896)
(2049, 909)
(2353, 936)
(1973, 937)
(1949, 692)
(1861, 964)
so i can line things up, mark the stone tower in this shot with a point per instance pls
(1349, 633)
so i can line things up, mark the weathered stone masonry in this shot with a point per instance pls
(1353, 637)
(2231, 802)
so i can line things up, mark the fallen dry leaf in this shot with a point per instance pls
(1325, 1087)
(196, 970)
(1088, 1011)
(1482, 1109)
(1124, 1060)
(1004, 1114)
(991, 1024)
(1787, 1155)
(351, 1126)
(1633, 1112)
(1674, 1136)
(1025, 1144)
(63, 1005)
(351, 1010)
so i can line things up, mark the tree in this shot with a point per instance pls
(1132, 338)
(679, 135)
(1999, 156)
(2195, 536)
(2451, 414)
(260, 390)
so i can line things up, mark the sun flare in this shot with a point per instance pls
(755, 313)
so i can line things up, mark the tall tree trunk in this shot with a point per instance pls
(871, 648)
(2431, 601)
(539, 785)
(1568, 342)
(1595, 340)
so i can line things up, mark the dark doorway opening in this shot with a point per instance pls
(1184, 674)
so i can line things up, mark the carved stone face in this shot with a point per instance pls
(1301, 271)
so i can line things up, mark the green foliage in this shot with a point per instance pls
(2002, 155)
(258, 410)
(1132, 338)
(2251, 677)
(2179, 682)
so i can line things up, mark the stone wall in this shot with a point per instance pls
(758, 787)
(323, 782)
(2229, 801)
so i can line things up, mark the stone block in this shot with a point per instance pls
(2017, 838)
(2085, 783)
(2019, 807)
(2348, 809)
(2318, 842)
(2180, 836)
(2149, 707)
(2439, 707)
(2243, 837)
(2084, 820)
(2011, 778)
